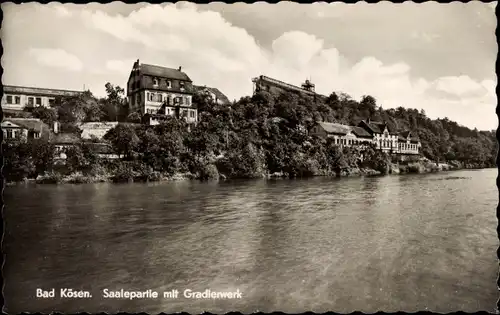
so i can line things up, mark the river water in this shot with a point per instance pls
(410, 242)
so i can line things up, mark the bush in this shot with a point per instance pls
(208, 172)
(49, 178)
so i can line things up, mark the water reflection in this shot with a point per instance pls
(383, 243)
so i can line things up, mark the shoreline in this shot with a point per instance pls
(78, 178)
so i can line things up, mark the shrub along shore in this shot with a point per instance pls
(263, 136)
(133, 172)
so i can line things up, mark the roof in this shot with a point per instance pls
(66, 138)
(403, 136)
(220, 96)
(335, 128)
(39, 91)
(360, 132)
(27, 123)
(163, 72)
(98, 125)
(376, 126)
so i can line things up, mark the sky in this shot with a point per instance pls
(431, 56)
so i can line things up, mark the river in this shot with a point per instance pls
(409, 243)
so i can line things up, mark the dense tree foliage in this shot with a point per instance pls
(258, 135)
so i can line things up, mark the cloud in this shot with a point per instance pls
(120, 66)
(58, 58)
(217, 53)
(62, 11)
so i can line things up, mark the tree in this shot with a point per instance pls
(114, 106)
(47, 115)
(123, 139)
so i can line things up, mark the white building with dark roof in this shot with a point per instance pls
(17, 98)
(155, 90)
(368, 132)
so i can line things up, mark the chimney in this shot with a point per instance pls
(180, 68)
(56, 127)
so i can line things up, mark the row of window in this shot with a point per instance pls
(348, 141)
(406, 146)
(15, 134)
(156, 83)
(159, 97)
(168, 111)
(16, 99)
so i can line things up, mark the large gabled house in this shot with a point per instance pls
(384, 137)
(155, 91)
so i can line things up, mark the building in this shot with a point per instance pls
(264, 83)
(342, 134)
(408, 143)
(384, 138)
(18, 98)
(368, 132)
(214, 94)
(160, 90)
(96, 129)
(25, 129)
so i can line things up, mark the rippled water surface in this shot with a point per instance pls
(413, 242)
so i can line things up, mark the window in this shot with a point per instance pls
(51, 102)
(155, 82)
(30, 101)
(184, 113)
(9, 134)
(192, 114)
(182, 85)
(159, 97)
(36, 135)
(17, 99)
(9, 99)
(39, 101)
(169, 84)
(181, 100)
(188, 101)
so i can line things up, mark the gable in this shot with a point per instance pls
(8, 124)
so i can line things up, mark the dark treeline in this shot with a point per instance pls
(253, 137)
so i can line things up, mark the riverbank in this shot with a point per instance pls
(420, 167)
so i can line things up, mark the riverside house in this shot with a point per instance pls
(155, 92)
(369, 132)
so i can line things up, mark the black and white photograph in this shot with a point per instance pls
(261, 157)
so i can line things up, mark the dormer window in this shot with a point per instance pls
(182, 85)
(155, 82)
(169, 84)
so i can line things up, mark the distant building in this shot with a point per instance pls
(213, 93)
(18, 98)
(25, 129)
(96, 129)
(369, 132)
(160, 90)
(265, 83)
